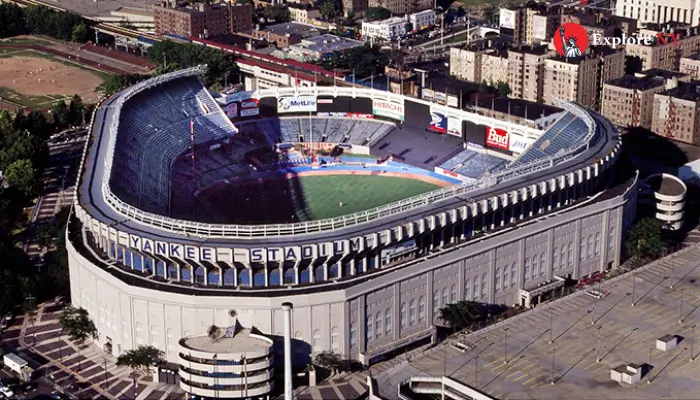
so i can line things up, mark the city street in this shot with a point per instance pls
(589, 336)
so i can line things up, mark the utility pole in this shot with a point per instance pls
(692, 345)
(680, 311)
(634, 286)
(593, 315)
(597, 356)
(554, 350)
(476, 372)
(551, 328)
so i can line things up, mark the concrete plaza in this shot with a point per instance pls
(515, 359)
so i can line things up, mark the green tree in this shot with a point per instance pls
(460, 315)
(330, 360)
(277, 13)
(12, 22)
(503, 88)
(77, 324)
(329, 9)
(60, 114)
(644, 240)
(79, 33)
(377, 13)
(142, 359)
(21, 175)
(364, 61)
(37, 125)
(75, 110)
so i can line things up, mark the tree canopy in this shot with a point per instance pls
(644, 240)
(276, 13)
(460, 315)
(364, 61)
(221, 68)
(331, 361)
(377, 13)
(141, 359)
(77, 324)
(330, 9)
(40, 20)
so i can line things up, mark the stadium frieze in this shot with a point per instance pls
(255, 255)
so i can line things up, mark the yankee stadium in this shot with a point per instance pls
(367, 210)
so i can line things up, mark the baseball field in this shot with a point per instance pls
(310, 196)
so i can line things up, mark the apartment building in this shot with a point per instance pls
(303, 14)
(659, 11)
(581, 79)
(286, 34)
(356, 7)
(691, 65)
(422, 19)
(629, 100)
(201, 19)
(402, 6)
(540, 24)
(386, 30)
(676, 112)
(465, 62)
(666, 56)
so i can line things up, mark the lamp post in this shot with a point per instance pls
(680, 310)
(554, 351)
(551, 329)
(597, 352)
(593, 315)
(476, 372)
(105, 372)
(692, 345)
(634, 286)
(505, 346)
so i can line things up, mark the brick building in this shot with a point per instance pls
(201, 19)
(676, 113)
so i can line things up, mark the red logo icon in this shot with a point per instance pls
(571, 40)
(497, 138)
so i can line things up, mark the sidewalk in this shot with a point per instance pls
(96, 373)
(348, 387)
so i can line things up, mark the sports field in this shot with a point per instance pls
(305, 198)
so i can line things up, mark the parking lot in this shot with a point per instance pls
(589, 336)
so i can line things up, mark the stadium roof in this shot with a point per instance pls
(519, 108)
(326, 43)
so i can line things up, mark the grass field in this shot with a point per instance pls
(306, 198)
(324, 193)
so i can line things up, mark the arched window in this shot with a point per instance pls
(597, 244)
(484, 288)
(468, 289)
(498, 280)
(563, 256)
(387, 322)
(369, 332)
(335, 340)
(412, 312)
(353, 334)
(169, 340)
(555, 259)
(590, 246)
(505, 278)
(436, 302)
(317, 342)
(570, 256)
(402, 317)
(378, 325)
(154, 336)
(453, 294)
(445, 299)
(476, 287)
(139, 334)
(542, 264)
(534, 266)
(582, 256)
(421, 309)
(527, 269)
(513, 275)
(611, 239)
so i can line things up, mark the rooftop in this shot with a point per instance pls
(292, 28)
(662, 73)
(594, 51)
(685, 91)
(637, 82)
(518, 107)
(670, 187)
(388, 21)
(327, 43)
(241, 342)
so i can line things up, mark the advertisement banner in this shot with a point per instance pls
(388, 109)
(231, 110)
(497, 138)
(454, 126)
(249, 108)
(238, 96)
(452, 101)
(438, 121)
(360, 115)
(472, 145)
(325, 101)
(507, 18)
(539, 27)
(518, 144)
(296, 104)
(332, 114)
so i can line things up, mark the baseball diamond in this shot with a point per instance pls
(156, 258)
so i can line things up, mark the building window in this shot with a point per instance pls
(505, 278)
(387, 322)
(476, 287)
(353, 334)
(527, 269)
(444, 297)
(402, 319)
(555, 259)
(453, 294)
(570, 256)
(318, 346)
(335, 343)
(467, 289)
(582, 256)
(563, 257)
(590, 246)
(368, 328)
(484, 288)
(542, 262)
(412, 311)
(513, 276)
(597, 244)
(378, 325)
(421, 309)
(534, 267)
(436, 301)
(498, 280)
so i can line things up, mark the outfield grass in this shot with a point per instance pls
(322, 194)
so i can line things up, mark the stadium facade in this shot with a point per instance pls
(363, 284)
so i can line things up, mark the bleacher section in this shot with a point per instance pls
(473, 164)
(326, 130)
(565, 133)
(154, 128)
